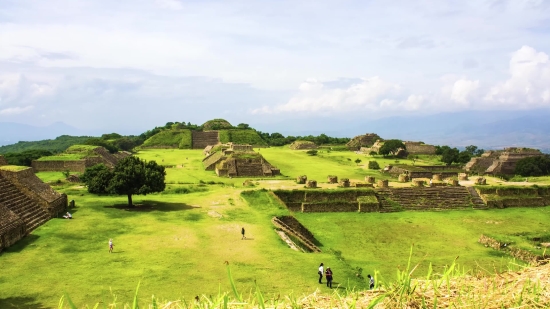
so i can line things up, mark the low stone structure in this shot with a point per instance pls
(234, 160)
(383, 183)
(293, 227)
(418, 183)
(437, 177)
(302, 145)
(419, 148)
(311, 184)
(413, 172)
(403, 178)
(463, 176)
(332, 179)
(102, 155)
(374, 148)
(481, 181)
(370, 179)
(363, 185)
(344, 182)
(365, 140)
(301, 179)
(524, 255)
(501, 162)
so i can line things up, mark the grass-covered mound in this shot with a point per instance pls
(237, 136)
(175, 138)
(13, 168)
(216, 124)
(73, 153)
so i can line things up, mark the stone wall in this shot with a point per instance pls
(297, 226)
(419, 148)
(210, 161)
(3, 161)
(78, 166)
(12, 228)
(517, 253)
(331, 207)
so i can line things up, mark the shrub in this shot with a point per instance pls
(373, 165)
(312, 152)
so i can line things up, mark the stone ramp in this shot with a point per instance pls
(109, 158)
(202, 139)
(210, 161)
(290, 231)
(26, 209)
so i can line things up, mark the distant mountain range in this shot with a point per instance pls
(485, 129)
(11, 133)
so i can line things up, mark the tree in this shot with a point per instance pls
(130, 176)
(533, 166)
(449, 155)
(391, 146)
(312, 152)
(357, 161)
(243, 126)
(464, 157)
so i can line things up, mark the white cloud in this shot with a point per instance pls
(463, 90)
(169, 4)
(529, 82)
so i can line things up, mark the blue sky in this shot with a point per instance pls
(127, 66)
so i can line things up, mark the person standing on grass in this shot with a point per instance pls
(328, 275)
(371, 282)
(111, 245)
(320, 272)
(242, 232)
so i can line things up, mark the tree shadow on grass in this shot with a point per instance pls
(151, 205)
(20, 245)
(20, 302)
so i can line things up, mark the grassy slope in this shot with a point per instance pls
(170, 138)
(178, 249)
(56, 145)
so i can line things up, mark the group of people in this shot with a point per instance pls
(328, 275)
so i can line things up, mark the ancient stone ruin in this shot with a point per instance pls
(344, 182)
(381, 199)
(25, 203)
(292, 227)
(202, 139)
(233, 160)
(365, 140)
(500, 162)
(311, 184)
(3, 161)
(301, 179)
(419, 148)
(373, 148)
(96, 156)
(332, 179)
(440, 172)
(299, 145)
(370, 179)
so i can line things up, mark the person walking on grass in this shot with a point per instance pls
(320, 272)
(111, 245)
(328, 275)
(242, 232)
(371, 282)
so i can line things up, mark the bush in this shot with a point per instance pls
(373, 165)
(312, 152)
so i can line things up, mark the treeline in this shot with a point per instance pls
(56, 145)
(453, 155)
(533, 166)
(277, 139)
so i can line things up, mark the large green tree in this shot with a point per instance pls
(533, 166)
(130, 176)
(391, 146)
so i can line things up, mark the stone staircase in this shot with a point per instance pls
(252, 169)
(385, 198)
(107, 156)
(447, 198)
(202, 139)
(476, 199)
(493, 167)
(290, 231)
(26, 209)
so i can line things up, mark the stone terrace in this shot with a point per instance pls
(3, 161)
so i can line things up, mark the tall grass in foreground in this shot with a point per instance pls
(519, 287)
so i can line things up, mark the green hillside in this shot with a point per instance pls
(175, 138)
(75, 152)
(54, 145)
(242, 137)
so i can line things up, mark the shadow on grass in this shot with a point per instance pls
(20, 302)
(20, 245)
(151, 205)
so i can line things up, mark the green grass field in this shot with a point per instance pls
(176, 244)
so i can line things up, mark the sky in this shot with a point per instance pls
(127, 66)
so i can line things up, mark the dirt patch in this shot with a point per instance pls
(215, 214)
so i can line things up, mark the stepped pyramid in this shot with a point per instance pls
(25, 204)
